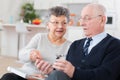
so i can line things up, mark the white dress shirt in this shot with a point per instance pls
(96, 39)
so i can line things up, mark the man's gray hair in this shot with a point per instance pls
(99, 8)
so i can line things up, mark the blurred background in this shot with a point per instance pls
(20, 20)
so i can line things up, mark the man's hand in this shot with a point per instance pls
(64, 66)
(34, 55)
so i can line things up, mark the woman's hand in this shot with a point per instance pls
(44, 66)
(35, 76)
(34, 55)
(64, 66)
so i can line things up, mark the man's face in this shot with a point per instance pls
(90, 21)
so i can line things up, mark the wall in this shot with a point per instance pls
(10, 9)
(113, 7)
(117, 8)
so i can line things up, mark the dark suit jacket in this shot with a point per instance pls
(102, 63)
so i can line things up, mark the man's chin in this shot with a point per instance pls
(87, 34)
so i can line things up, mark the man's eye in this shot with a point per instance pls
(86, 18)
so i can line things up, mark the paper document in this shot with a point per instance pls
(22, 73)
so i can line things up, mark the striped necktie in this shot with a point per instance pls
(85, 48)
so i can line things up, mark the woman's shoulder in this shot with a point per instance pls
(41, 34)
(68, 42)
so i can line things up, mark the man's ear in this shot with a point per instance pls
(103, 20)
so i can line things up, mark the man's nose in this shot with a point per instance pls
(82, 23)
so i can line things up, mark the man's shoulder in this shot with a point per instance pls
(78, 42)
(111, 41)
(112, 38)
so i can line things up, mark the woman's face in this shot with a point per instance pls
(57, 26)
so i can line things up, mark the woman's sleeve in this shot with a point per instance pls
(24, 53)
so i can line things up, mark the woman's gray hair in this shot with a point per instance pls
(59, 11)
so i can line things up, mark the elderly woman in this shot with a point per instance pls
(43, 47)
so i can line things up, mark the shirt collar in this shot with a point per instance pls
(100, 36)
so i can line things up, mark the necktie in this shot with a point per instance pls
(87, 46)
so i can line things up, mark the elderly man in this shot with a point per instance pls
(96, 57)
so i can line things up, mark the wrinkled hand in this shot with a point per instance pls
(34, 55)
(44, 66)
(37, 76)
(64, 66)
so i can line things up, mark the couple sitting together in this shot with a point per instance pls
(95, 57)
